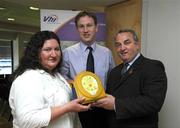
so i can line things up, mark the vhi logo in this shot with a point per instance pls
(50, 19)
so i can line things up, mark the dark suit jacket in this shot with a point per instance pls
(139, 94)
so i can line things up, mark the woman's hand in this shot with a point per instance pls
(72, 106)
(77, 106)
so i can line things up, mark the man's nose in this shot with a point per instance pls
(85, 29)
(123, 47)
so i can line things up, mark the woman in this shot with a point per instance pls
(40, 96)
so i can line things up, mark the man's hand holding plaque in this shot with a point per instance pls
(89, 85)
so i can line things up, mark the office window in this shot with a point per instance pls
(6, 57)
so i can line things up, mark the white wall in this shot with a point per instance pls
(161, 40)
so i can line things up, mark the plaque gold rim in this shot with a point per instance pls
(82, 90)
(78, 86)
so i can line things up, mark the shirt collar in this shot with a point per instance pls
(130, 63)
(84, 47)
(41, 71)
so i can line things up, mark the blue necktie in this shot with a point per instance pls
(90, 61)
(124, 69)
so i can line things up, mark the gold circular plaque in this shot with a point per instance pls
(89, 85)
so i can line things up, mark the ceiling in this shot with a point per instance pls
(28, 21)
(19, 9)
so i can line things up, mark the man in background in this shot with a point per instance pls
(75, 61)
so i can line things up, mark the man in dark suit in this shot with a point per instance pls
(136, 95)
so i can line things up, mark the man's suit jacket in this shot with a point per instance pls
(139, 94)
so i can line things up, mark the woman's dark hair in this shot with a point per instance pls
(30, 59)
(85, 13)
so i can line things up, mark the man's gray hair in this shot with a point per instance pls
(135, 37)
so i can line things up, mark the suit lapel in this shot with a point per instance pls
(124, 77)
(135, 66)
(127, 74)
